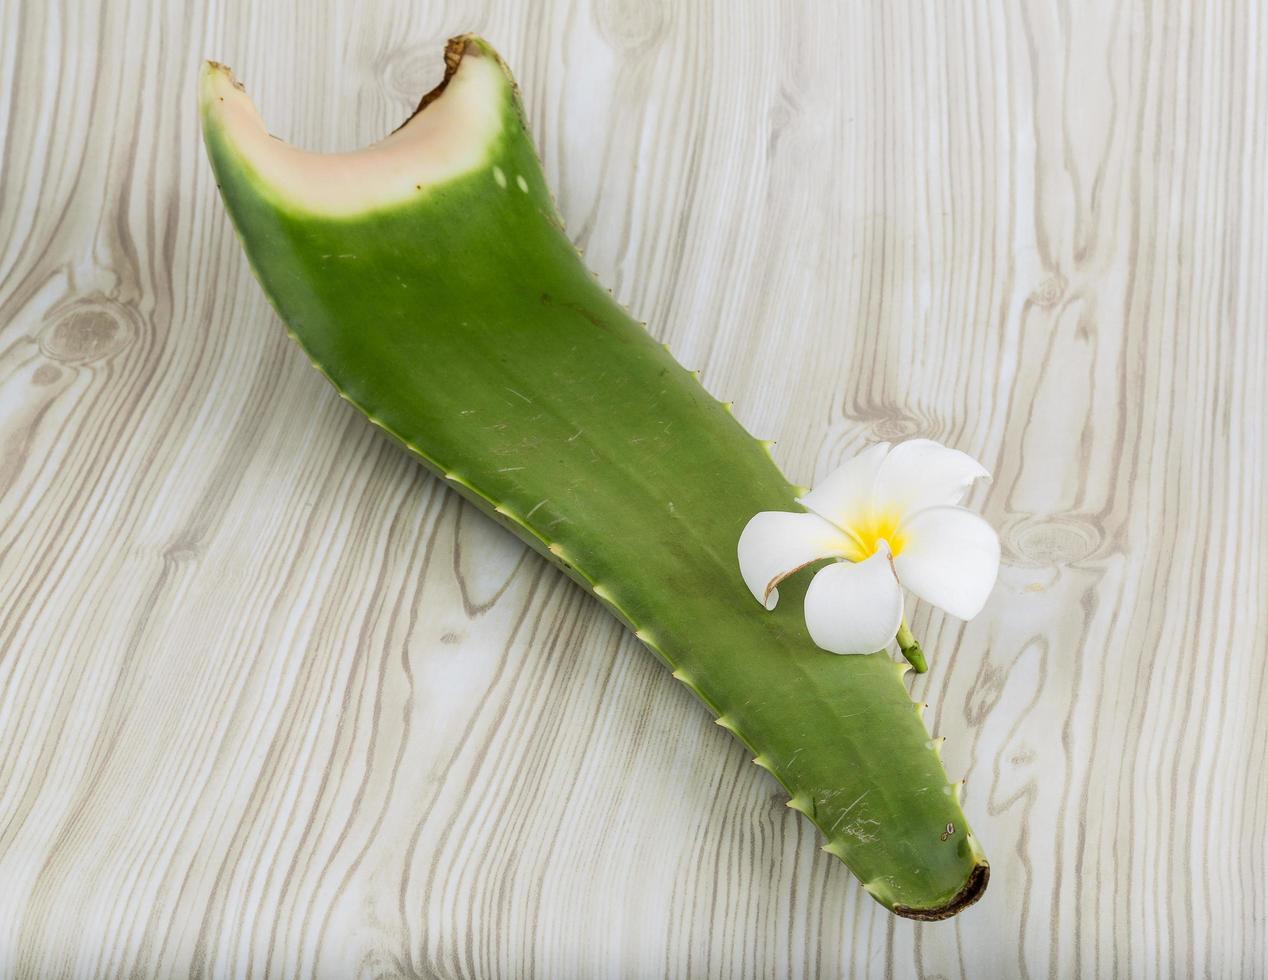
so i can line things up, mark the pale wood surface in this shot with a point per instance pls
(274, 703)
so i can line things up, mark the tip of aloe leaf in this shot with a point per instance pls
(974, 888)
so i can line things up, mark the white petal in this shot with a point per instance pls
(774, 544)
(921, 473)
(846, 492)
(950, 557)
(855, 607)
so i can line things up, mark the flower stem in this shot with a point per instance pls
(911, 649)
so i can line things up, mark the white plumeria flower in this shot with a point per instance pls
(892, 516)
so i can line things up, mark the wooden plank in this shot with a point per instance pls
(274, 703)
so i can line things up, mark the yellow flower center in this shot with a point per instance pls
(870, 529)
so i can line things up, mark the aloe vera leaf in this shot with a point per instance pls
(430, 279)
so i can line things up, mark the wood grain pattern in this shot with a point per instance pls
(273, 703)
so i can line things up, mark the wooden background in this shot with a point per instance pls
(274, 703)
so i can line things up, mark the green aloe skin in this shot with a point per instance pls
(461, 319)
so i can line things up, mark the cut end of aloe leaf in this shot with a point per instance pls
(454, 136)
(428, 277)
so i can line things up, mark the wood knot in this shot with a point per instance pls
(1053, 540)
(86, 330)
(896, 428)
(45, 374)
(783, 110)
(186, 546)
(632, 26)
(890, 422)
(1049, 292)
(407, 73)
(781, 118)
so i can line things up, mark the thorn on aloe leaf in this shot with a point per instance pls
(834, 847)
(911, 649)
